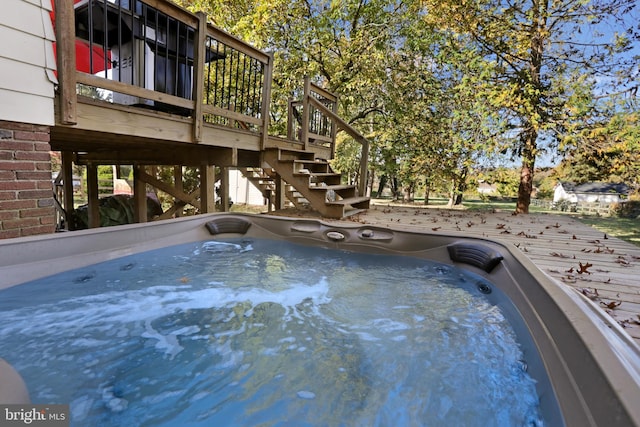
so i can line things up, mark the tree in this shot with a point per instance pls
(532, 58)
(609, 150)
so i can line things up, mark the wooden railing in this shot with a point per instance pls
(314, 120)
(156, 55)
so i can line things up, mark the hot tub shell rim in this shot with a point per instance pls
(612, 350)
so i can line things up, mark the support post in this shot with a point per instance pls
(280, 189)
(177, 183)
(207, 188)
(266, 101)
(224, 189)
(139, 195)
(198, 75)
(66, 58)
(67, 186)
(305, 113)
(93, 214)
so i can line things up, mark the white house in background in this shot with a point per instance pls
(486, 188)
(590, 192)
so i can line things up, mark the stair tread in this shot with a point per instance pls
(311, 173)
(348, 201)
(307, 162)
(331, 187)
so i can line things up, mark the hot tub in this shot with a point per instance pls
(588, 369)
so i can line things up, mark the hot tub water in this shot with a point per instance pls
(251, 332)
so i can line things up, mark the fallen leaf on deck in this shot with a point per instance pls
(612, 305)
(590, 293)
(584, 268)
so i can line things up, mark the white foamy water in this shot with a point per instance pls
(256, 332)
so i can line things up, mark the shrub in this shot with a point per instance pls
(628, 209)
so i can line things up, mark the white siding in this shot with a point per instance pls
(242, 191)
(560, 194)
(26, 62)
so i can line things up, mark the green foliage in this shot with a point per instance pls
(607, 150)
(436, 85)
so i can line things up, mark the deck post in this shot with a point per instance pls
(178, 184)
(224, 189)
(67, 186)
(199, 56)
(305, 113)
(207, 188)
(334, 129)
(280, 189)
(266, 101)
(139, 194)
(66, 59)
(93, 214)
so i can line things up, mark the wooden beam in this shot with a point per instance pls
(207, 188)
(93, 214)
(305, 113)
(198, 73)
(179, 186)
(187, 156)
(280, 192)
(139, 194)
(66, 59)
(177, 206)
(101, 82)
(129, 127)
(168, 188)
(266, 101)
(224, 189)
(67, 185)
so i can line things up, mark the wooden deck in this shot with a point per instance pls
(604, 268)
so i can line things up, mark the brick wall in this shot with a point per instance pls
(26, 198)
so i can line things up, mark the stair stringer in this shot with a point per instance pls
(315, 184)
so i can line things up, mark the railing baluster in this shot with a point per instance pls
(105, 42)
(224, 72)
(90, 26)
(242, 91)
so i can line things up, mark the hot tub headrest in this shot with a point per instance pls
(476, 254)
(228, 224)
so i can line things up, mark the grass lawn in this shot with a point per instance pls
(623, 228)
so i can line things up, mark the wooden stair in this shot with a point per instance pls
(317, 184)
(264, 179)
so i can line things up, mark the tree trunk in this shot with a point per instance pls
(395, 189)
(526, 173)
(381, 184)
(459, 185)
(426, 191)
(530, 134)
(407, 193)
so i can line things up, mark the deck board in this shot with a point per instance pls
(556, 244)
